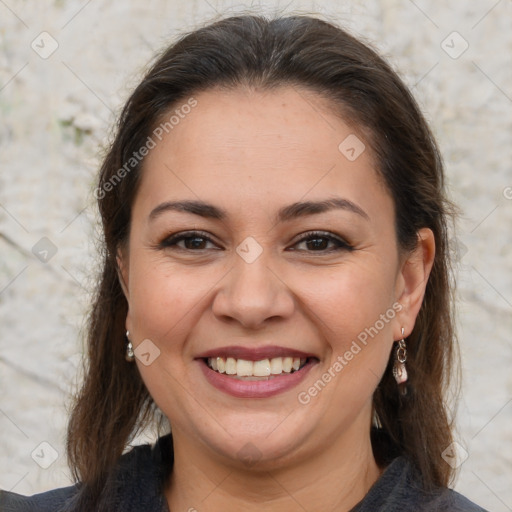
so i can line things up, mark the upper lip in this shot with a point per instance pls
(254, 353)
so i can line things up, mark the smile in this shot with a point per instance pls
(263, 378)
(257, 370)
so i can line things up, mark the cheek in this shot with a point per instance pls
(351, 297)
(165, 300)
(355, 309)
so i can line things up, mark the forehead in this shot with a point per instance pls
(274, 146)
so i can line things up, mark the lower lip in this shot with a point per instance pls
(255, 388)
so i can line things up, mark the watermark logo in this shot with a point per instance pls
(454, 455)
(249, 250)
(457, 249)
(44, 454)
(454, 45)
(44, 250)
(147, 352)
(249, 454)
(44, 45)
(352, 147)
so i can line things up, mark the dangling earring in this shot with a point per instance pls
(399, 370)
(130, 355)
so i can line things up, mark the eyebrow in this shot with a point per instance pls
(196, 207)
(301, 209)
(287, 213)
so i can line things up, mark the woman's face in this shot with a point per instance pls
(262, 239)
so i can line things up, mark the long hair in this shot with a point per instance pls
(304, 51)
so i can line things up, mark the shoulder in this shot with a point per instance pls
(51, 501)
(135, 484)
(399, 488)
(451, 501)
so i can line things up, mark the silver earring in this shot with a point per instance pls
(399, 369)
(130, 355)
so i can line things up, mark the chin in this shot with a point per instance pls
(259, 445)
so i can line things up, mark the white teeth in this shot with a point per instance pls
(244, 368)
(231, 366)
(262, 368)
(276, 365)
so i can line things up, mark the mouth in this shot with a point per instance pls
(257, 372)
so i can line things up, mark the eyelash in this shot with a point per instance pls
(173, 240)
(341, 244)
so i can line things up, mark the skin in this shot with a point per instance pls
(251, 153)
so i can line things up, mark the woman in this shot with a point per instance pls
(275, 281)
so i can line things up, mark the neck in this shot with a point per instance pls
(336, 479)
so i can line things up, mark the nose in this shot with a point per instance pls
(252, 295)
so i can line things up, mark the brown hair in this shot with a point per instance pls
(302, 51)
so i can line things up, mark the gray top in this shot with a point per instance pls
(137, 485)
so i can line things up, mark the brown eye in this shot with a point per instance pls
(195, 242)
(321, 242)
(190, 241)
(317, 244)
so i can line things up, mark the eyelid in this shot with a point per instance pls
(307, 235)
(172, 239)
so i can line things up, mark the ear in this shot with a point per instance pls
(412, 280)
(122, 272)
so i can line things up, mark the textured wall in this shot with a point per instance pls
(56, 110)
